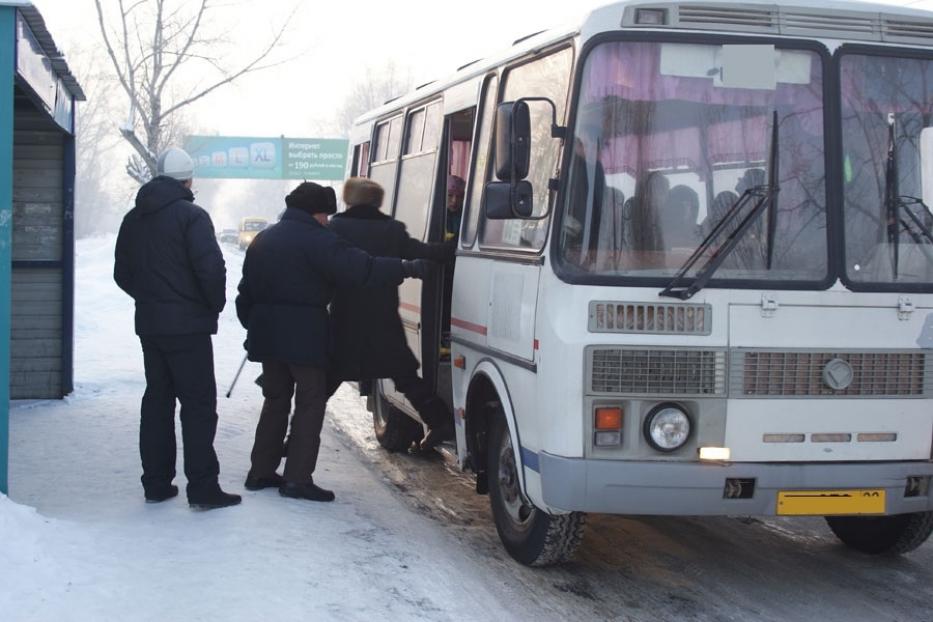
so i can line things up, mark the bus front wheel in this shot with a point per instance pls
(530, 535)
(395, 431)
(876, 535)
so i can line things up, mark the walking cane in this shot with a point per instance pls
(237, 377)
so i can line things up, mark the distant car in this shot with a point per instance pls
(228, 236)
(249, 227)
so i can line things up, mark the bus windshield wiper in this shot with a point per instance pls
(762, 197)
(896, 206)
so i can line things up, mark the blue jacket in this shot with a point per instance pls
(290, 274)
(168, 260)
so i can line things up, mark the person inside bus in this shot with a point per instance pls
(679, 218)
(587, 186)
(456, 190)
(650, 197)
(368, 336)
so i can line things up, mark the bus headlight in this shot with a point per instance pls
(667, 427)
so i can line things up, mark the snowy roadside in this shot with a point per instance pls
(95, 551)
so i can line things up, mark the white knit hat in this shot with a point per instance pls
(176, 163)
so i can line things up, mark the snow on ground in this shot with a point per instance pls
(93, 550)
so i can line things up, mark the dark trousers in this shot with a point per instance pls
(432, 409)
(179, 367)
(280, 381)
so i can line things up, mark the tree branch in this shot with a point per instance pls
(184, 48)
(249, 68)
(134, 101)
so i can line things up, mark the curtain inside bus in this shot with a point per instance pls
(662, 148)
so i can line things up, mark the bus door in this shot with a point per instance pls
(413, 202)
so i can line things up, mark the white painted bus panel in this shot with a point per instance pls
(749, 420)
(513, 296)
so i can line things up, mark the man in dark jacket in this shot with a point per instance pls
(168, 260)
(290, 274)
(369, 340)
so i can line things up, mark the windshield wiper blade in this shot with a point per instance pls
(766, 196)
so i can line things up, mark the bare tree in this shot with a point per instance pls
(151, 41)
(377, 86)
(101, 195)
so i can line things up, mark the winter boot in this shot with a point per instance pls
(437, 435)
(308, 491)
(212, 499)
(158, 495)
(269, 481)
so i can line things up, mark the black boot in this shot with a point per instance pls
(158, 495)
(436, 436)
(269, 481)
(212, 499)
(308, 491)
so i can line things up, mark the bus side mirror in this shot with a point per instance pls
(505, 200)
(513, 141)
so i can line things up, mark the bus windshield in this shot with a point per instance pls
(668, 136)
(887, 147)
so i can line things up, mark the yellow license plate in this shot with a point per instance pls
(830, 502)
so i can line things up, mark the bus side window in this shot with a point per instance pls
(543, 77)
(415, 181)
(360, 161)
(385, 162)
(482, 150)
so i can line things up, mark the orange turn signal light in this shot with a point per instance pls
(608, 418)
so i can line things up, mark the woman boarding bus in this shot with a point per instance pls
(695, 268)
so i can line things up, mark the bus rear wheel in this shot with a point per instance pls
(530, 535)
(877, 535)
(395, 431)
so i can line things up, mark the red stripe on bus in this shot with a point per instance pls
(408, 307)
(537, 345)
(470, 326)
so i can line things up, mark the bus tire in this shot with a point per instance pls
(877, 535)
(395, 431)
(530, 535)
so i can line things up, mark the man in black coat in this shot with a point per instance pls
(168, 260)
(290, 274)
(369, 340)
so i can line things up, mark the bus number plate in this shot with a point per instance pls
(830, 502)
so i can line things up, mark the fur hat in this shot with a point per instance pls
(313, 199)
(362, 191)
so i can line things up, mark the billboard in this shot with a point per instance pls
(241, 157)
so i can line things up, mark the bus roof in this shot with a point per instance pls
(823, 19)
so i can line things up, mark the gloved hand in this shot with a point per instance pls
(416, 268)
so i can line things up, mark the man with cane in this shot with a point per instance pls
(290, 273)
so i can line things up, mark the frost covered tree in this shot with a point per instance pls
(167, 55)
(377, 86)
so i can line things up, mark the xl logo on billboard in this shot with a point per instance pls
(262, 155)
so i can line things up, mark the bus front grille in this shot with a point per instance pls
(776, 373)
(650, 318)
(657, 371)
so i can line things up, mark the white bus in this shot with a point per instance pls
(694, 272)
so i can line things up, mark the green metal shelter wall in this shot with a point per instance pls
(7, 68)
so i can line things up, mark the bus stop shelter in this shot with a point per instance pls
(37, 174)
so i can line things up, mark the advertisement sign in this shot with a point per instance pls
(313, 158)
(232, 157)
(238, 157)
